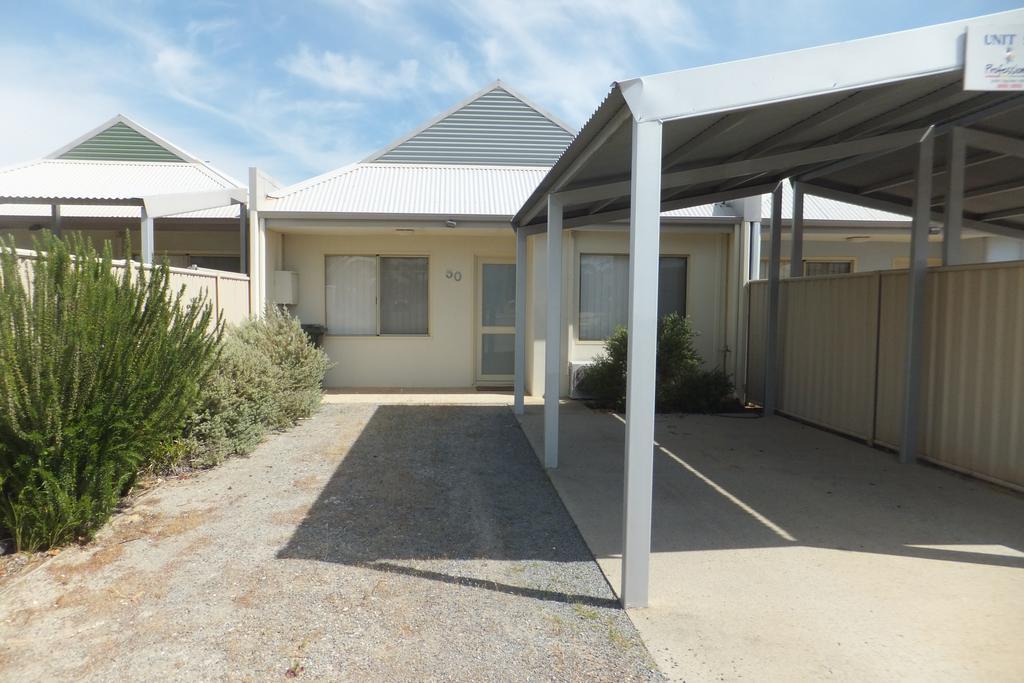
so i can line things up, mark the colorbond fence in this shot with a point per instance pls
(841, 354)
(228, 292)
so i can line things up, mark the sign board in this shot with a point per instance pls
(994, 58)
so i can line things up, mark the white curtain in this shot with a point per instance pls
(604, 292)
(351, 294)
(403, 295)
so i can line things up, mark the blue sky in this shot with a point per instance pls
(299, 88)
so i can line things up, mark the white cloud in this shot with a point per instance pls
(567, 52)
(352, 74)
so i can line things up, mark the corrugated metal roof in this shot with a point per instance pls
(120, 142)
(100, 211)
(430, 189)
(74, 179)
(493, 191)
(496, 127)
(821, 209)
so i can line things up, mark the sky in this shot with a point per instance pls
(299, 88)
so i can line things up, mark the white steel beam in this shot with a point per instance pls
(713, 171)
(669, 205)
(146, 248)
(612, 127)
(796, 255)
(954, 209)
(893, 206)
(1005, 213)
(993, 142)
(644, 237)
(553, 333)
(771, 371)
(916, 298)
(755, 250)
(520, 340)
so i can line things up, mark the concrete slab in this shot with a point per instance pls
(467, 396)
(783, 552)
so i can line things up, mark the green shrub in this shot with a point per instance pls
(237, 404)
(99, 369)
(268, 377)
(681, 383)
(300, 365)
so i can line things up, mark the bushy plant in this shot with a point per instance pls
(99, 367)
(237, 404)
(300, 366)
(681, 382)
(268, 377)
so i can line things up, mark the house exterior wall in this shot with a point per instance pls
(707, 301)
(447, 355)
(874, 254)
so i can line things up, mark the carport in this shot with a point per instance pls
(881, 122)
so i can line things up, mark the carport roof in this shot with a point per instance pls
(737, 129)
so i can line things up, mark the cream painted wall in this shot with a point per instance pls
(874, 254)
(446, 357)
(707, 300)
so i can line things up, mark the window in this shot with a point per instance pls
(812, 267)
(376, 295)
(604, 292)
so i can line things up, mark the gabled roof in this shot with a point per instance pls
(119, 162)
(121, 139)
(495, 126)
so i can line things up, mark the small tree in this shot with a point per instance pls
(98, 369)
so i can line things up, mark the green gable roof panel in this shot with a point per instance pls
(120, 142)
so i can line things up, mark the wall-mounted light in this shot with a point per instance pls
(405, 230)
(35, 226)
(450, 223)
(858, 238)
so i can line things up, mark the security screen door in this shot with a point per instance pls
(496, 322)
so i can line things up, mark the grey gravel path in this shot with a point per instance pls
(370, 543)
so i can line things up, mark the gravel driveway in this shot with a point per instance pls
(371, 542)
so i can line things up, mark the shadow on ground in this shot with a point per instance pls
(731, 483)
(428, 486)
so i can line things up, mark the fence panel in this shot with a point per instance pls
(227, 292)
(828, 328)
(234, 298)
(842, 346)
(892, 347)
(972, 390)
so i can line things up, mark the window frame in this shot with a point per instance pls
(378, 335)
(852, 260)
(577, 294)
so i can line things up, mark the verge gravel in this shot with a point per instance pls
(370, 543)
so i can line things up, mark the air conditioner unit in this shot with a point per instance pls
(576, 372)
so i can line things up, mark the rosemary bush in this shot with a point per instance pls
(268, 377)
(99, 368)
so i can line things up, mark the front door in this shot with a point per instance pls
(496, 321)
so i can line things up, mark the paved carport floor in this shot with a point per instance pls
(784, 552)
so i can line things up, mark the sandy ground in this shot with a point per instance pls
(782, 552)
(372, 542)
